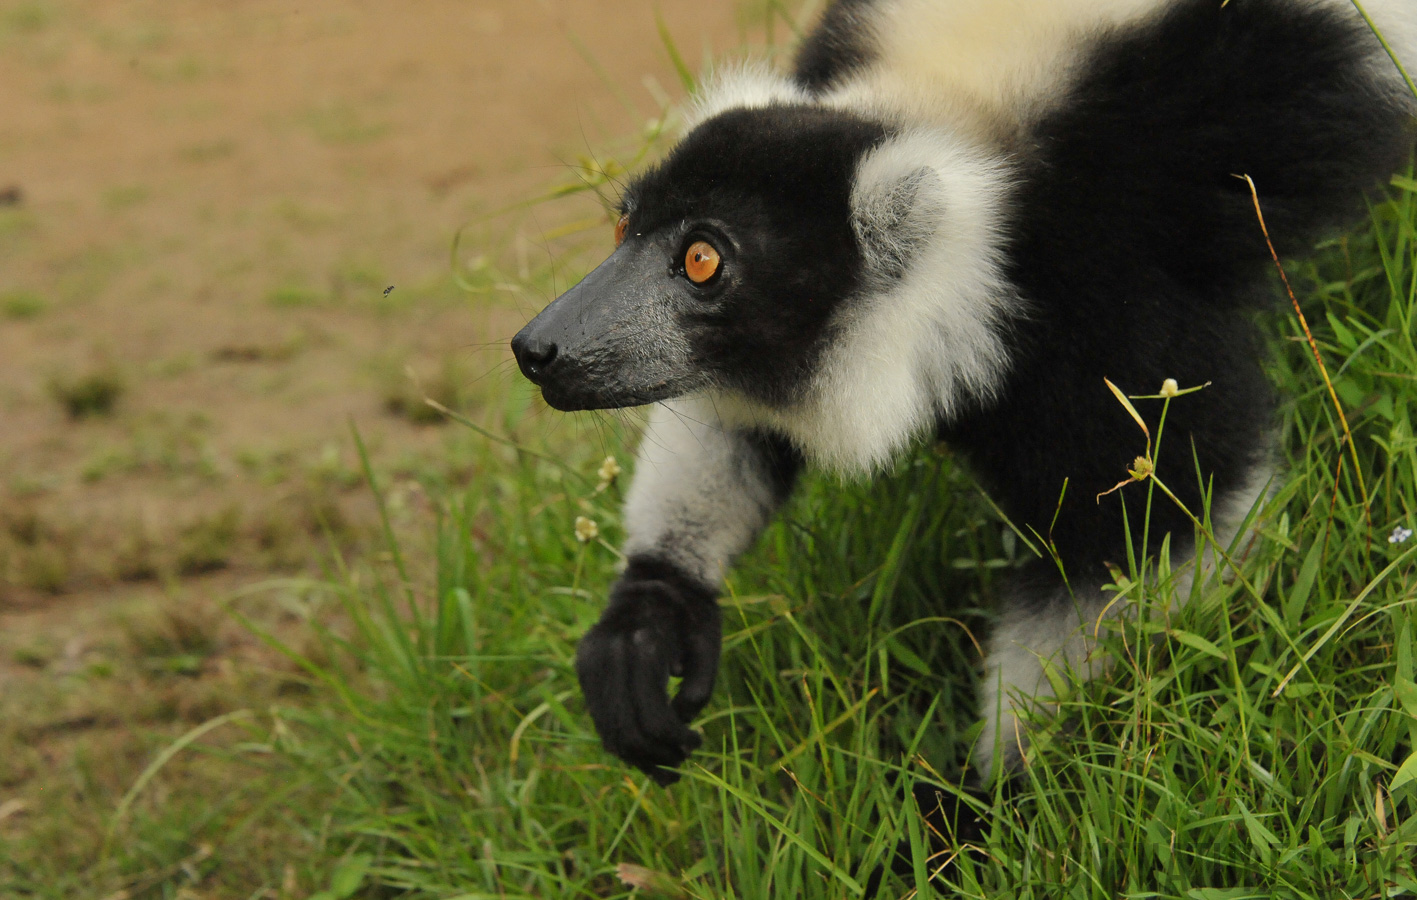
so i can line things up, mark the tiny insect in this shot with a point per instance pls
(388, 290)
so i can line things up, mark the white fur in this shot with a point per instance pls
(913, 352)
(987, 68)
(1397, 21)
(1027, 643)
(750, 85)
(700, 494)
(983, 67)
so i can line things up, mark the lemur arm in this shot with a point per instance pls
(701, 494)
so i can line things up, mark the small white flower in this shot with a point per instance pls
(586, 529)
(609, 470)
(1169, 388)
(1399, 535)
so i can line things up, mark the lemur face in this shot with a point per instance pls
(733, 256)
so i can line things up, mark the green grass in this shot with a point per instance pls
(342, 123)
(91, 393)
(1254, 744)
(28, 17)
(294, 296)
(21, 305)
(1246, 746)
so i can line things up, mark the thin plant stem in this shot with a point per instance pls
(1318, 358)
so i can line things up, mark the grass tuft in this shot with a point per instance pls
(175, 640)
(207, 544)
(19, 306)
(90, 394)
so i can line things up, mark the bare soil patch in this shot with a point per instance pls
(224, 236)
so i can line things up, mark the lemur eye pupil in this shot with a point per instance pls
(701, 262)
(622, 226)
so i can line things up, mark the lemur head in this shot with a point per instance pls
(810, 267)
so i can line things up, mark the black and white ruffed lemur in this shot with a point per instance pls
(954, 219)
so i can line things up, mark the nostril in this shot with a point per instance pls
(541, 354)
(533, 354)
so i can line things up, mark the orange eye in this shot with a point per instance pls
(701, 262)
(621, 227)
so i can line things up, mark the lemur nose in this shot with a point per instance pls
(533, 355)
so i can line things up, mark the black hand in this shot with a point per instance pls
(660, 622)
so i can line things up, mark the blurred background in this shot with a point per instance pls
(226, 235)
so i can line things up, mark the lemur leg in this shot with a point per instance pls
(1047, 627)
(701, 494)
(1041, 626)
(1039, 629)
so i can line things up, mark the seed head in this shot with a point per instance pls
(586, 529)
(1169, 388)
(1141, 469)
(655, 884)
(609, 470)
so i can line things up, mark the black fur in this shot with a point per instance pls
(952, 827)
(782, 461)
(776, 184)
(1136, 241)
(839, 45)
(660, 622)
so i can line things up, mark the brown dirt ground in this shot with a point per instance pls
(210, 203)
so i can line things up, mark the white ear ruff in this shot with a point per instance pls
(747, 85)
(915, 347)
(912, 350)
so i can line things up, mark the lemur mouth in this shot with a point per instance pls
(570, 388)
